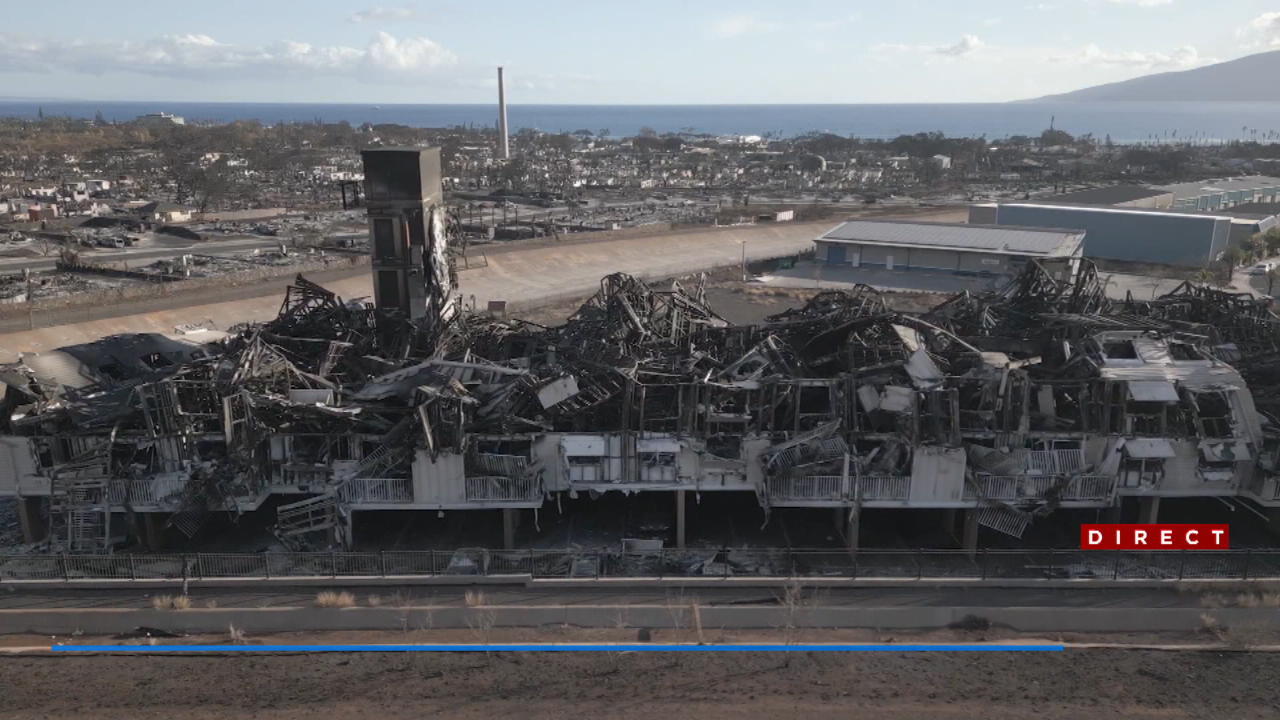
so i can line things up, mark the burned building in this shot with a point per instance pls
(1005, 405)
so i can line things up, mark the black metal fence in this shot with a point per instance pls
(988, 565)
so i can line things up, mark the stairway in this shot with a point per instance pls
(309, 515)
(78, 506)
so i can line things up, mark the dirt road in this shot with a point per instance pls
(708, 686)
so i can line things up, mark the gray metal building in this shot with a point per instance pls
(944, 247)
(1130, 235)
(1136, 196)
(1224, 192)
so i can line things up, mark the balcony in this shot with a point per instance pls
(835, 488)
(376, 491)
(806, 487)
(1090, 487)
(1035, 487)
(494, 488)
(884, 487)
(1053, 462)
(146, 491)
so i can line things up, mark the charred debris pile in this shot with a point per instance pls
(983, 386)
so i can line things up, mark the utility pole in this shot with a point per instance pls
(744, 261)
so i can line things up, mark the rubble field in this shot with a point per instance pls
(1003, 686)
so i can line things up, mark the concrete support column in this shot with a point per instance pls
(32, 520)
(680, 518)
(1148, 510)
(969, 538)
(853, 527)
(510, 521)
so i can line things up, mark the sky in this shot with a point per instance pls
(610, 52)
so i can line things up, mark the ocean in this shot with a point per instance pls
(1124, 122)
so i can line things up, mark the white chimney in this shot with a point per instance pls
(502, 118)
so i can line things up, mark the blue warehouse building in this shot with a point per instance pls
(1129, 235)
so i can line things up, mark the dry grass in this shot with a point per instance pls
(1242, 600)
(331, 599)
(1210, 625)
(473, 598)
(374, 601)
(171, 602)
(1217, 586)
(697, 622)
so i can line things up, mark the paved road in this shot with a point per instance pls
(15, 597)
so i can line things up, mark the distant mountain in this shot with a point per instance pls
(1253, 78)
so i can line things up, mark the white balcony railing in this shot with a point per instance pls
(1053, 462)
(1090, 487)
(153, 490)
(884, 487)
(492, 488)
(1030, 487)
(806, 487)
(373, 491)
(835, 488)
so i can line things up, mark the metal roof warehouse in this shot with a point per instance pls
(962, 248)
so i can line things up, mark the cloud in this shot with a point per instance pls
(385, 57)
(408, 55)
(966, 45)
(1262, 30)
(735, 25)
(836, 23)
(1141, 3)
(379, 14)
(1183, 57)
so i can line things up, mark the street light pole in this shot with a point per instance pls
(744, 261)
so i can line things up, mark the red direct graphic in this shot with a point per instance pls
(1158, 536)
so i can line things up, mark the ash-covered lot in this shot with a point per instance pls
(1104, 683)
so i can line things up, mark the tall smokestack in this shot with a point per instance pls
(502, 118)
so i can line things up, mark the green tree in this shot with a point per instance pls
(1056, 137)
(1271, 240)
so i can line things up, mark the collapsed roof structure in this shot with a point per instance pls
(1006, 404)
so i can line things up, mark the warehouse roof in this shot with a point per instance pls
(1255, 209)
(998, 239)
(1173, 212)
(1221, 185)
(1109, 195)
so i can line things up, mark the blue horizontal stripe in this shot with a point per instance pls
(554, 648)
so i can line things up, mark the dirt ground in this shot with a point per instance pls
(1077, 683)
